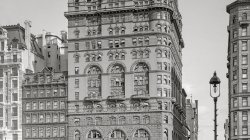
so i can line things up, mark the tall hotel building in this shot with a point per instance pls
(238, 70)
(125, 70)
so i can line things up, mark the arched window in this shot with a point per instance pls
(94, 81)
(141, 78)
(159, 27)
(110, 31)
(112, 120)
(117, 80)
(141, 134)
(94, 134)
(118, 135)
(146, 119)
(122, 120)
(166, 133)
(89, 121)
(159, 53)
(77, 135)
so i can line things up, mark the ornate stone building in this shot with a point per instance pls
(192, 118)
(19, 53)
(238, 69)
(125, 70)
(44, 102)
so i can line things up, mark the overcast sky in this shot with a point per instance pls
(205, 36)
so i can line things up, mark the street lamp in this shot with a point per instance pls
(215, 94)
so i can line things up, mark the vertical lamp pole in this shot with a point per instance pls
(215, 94)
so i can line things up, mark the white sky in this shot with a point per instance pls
(205, 36)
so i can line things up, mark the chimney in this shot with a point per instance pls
(27, 33)
(64, 36)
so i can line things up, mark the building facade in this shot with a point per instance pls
(239, 69)
(192, 118)
(125, 70)
(54, 49)
(44, 105)
(19, 53)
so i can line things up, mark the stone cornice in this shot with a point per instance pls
(236, 4)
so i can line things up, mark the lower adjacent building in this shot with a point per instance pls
(192, 118)
(45, 106)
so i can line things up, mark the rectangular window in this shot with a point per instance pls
(235, 102)
(76, 70)
(1, 84)
(87, 45)
(55, 105)
(159, 92)
(244, 45)
(244, 59)
(159, 79)
(234, 75)
(235, 131)
(2, 46)
(244, 87)
(15, 71)
(14, 136)
(235, 47)
(110, 43)
(14, 58)
(2, 59)
(244, 31)
(244, 73)
(159, 65)
(76, 46)
(134, 41)
(244, 101)
(235, 61)
(117, 44)
(1, 112)
(1, 72)
(14, 125)
(235, 117)
(123, 42)
(76, 83)
(244, 130)
(165, 79)
(244, 116)
(14, 83)
(99, 44)
(234, 89)
(76, 95)
(14, 111)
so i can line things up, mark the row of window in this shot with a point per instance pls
(116, 120)
(163, 79)
(45, 132)
(14, 72)
(244, 46)
(40, 79)
(243, 17)
(244, 88)
(14, 84)
(244, 74)
(14, 124)
(244, 102)
(136, 106)
(14, 111)
(244, 60)
(35, 93)
(164, 66)
(13, 98)
(244, 116)
(141, 134)
(138, 80)
(244, 130)
(243, 32)
(45, 105)
(13, 59)
(45, 118)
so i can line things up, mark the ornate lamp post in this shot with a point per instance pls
(215, 94)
